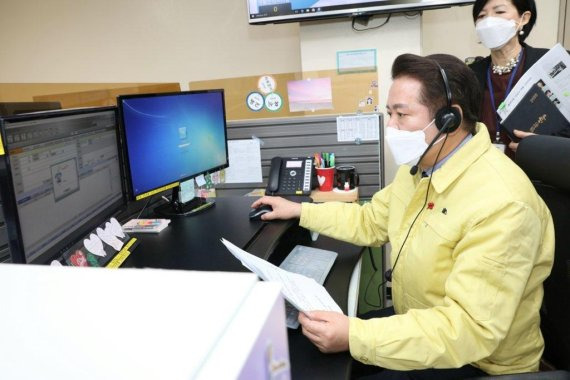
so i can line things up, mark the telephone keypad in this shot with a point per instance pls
(292, 181)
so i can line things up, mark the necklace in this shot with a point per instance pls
(498, 69)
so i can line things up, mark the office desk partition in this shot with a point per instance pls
(193, 243)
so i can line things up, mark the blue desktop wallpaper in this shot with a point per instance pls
(173, 137)
(298, 4)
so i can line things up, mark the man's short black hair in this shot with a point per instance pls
(464, 86)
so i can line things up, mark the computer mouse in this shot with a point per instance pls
(255, 214)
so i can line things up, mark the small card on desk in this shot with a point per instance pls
(535, 113)
(146, 225)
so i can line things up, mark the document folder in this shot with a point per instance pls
(535, 113)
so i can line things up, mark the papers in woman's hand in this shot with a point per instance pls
(302, 292)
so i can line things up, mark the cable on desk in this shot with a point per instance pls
(145, 206)
(372, 261)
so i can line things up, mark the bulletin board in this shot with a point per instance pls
(351, 92)
(72, 95)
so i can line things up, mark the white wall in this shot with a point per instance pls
(139, 41)
(321, 40)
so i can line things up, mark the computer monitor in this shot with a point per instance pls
(16, 108)
(60, 178)
(170, 138)
(277, 11)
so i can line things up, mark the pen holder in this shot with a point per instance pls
(325, 176)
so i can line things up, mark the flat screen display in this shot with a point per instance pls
(61, 177)
(172, 137)
(276, 11)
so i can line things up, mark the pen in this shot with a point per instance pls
(317, 160)
(331, 160)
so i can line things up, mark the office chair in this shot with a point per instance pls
(546, 161)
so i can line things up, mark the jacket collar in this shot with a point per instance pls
(462, 159)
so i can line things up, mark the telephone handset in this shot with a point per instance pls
(290, 176)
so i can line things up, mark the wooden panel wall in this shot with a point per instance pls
(72, 95)
(349, 93)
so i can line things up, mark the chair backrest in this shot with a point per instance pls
(546, 161)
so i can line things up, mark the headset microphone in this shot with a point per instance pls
(446, 125)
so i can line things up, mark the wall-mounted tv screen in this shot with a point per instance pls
(277, 11)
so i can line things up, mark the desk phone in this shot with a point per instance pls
(290, 176)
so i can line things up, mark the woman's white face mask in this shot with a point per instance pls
(495, 32)
(407, 146)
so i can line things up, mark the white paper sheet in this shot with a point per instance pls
(245, 162)
(200, 180)
(362, 127)
(553, 69)
(302, 292)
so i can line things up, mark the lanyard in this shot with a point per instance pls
(492, 93)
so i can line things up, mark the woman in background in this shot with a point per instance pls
(502, 26)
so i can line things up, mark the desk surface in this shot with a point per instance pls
(193, 243)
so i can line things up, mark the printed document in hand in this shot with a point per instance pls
(551, 73)
(302, 292)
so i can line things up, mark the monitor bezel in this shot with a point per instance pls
(18, 108)
(160, 189)
(13, 225)
(356, 9)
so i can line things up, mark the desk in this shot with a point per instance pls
(193, 243)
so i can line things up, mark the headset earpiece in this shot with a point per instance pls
(447, 115)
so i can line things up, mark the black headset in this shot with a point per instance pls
(448, 114)
(447, 119)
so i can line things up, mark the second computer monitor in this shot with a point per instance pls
(172, 137)
(61, 178)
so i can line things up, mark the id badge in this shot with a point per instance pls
(500, 146)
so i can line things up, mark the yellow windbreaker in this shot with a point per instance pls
(468, 284)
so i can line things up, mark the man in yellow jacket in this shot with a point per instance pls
(472, 242)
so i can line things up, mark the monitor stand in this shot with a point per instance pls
(175, 208)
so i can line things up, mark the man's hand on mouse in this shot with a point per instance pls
(282, 208)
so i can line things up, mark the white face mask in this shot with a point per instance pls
(495, 32)
(407, 146)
